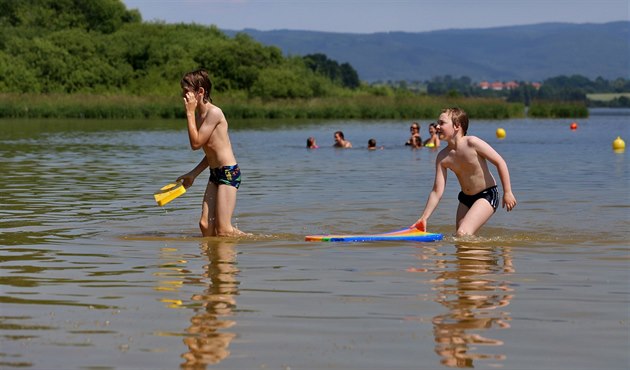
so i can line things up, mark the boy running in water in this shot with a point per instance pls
(467, 157)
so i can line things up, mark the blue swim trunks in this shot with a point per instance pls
(491, 194)
(226, 175)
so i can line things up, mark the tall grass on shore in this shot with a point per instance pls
(354, 107)
(87, 106)
(558, 110)
(370, 107)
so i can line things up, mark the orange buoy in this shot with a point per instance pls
(574, 126)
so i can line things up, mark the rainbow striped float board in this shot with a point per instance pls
(412, 235)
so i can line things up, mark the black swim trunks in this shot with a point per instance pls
(226, 175)
(491, 194)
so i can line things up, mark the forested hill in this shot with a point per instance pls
(101, 47)
(525, 53)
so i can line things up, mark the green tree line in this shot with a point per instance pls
(98, 46)
(79, 58)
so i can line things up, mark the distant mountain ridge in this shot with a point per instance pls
(522, 53)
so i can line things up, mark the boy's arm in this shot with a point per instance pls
(188, 178)
(485, 150)
(434, 196)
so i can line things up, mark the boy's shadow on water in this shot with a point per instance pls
(206, 339)
(472, 287)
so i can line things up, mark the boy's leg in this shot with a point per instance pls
(461, 212)
(207, 222)
(225, 204)
(471, 220)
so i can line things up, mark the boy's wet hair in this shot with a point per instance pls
(371, 143)
(458, 116)
(192, 81)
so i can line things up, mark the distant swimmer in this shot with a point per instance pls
(434, 140)
(416, 142)
(311, 143)
(340, 141)
(372, 145)
(415, 132)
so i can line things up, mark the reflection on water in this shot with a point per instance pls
(474, 290)
(205, 337)
(94, 275)
(207, 341)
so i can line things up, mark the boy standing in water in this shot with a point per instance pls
(208, 130)
(467, 157)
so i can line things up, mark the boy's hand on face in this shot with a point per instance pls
(190, 102)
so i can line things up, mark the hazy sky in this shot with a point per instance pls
(368, 16)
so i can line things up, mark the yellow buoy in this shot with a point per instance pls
(619, 145)
(501, 133)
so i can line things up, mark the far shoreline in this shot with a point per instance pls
(91, 106)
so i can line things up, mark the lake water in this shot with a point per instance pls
(96, 276)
